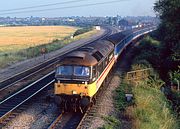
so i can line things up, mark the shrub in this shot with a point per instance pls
(81, 31)
(120, 97)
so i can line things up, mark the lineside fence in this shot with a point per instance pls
(135, 77)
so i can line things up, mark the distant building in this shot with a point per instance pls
(71, 20)
(43, 19)
(98, 28)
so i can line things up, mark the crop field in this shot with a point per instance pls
(16, 38)
(21, 43)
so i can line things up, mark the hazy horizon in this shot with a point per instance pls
(76, 8)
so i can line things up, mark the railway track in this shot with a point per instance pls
(86, 120)
(73, 120)
(68, 120)
(20, 97)
(32, 71)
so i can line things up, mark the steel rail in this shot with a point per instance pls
(22, 96)
(29, 75)
(24, 74)
(66, 121)
(53, 124)
(17, 99)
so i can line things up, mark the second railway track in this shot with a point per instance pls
(18, 98)
(31, 71)
(25, 94)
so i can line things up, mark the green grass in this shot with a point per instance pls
(152, 110)
(111, 123)
(120, 98)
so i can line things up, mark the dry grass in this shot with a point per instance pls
(16, 38)
(20, 43)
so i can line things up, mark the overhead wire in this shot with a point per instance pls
(66, 7)
(44, 5)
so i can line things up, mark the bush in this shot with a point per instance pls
(120, 98)
(175, 76)
(81, 31)
(149, 50)
(140, 64)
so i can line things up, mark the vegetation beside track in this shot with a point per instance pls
(150, 107)
(82, 31)
(112, 123)
(8, 57)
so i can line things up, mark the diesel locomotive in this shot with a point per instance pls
(80, 73)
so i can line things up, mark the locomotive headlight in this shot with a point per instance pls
(74, 92)
(85, 83)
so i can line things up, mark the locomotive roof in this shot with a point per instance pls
(90, 54)
(79, 58)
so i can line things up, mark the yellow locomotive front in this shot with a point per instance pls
(80, 74)
(73, 80)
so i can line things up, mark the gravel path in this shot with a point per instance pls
(26, 64)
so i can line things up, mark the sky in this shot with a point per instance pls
(118, 7)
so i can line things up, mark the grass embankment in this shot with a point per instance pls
(149, 108)
(15, 46)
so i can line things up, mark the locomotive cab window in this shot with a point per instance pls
(64, 70)
(73, 71)
(81, 71)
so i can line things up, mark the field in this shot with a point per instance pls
(16, 38)
(21, 43)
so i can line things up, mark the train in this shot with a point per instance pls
(80, 73)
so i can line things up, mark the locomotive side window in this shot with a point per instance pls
(64, 70)
(100, 67)
(81, 71)
(94, 73)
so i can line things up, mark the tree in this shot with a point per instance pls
(169, 31)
